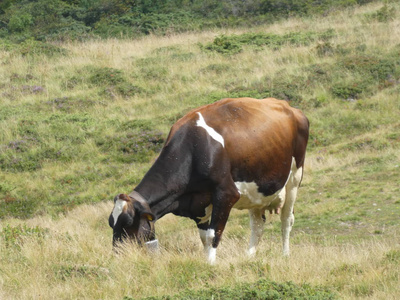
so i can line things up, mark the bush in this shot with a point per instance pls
(113, 81)
(262, 289)
(384, 14)
(13, 236)
(31, 48)
(233, 44)
(133, 146)
(16, 207)
(105, 76)
(65, 19)
(347, 91)
(367, 74)
(19, 23)
(368, 65)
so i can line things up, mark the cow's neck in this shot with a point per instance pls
(166, 180)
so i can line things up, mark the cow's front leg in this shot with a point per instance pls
(203, 227)
(224, 197)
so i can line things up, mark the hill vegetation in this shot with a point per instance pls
(82, 120)
(76, 19)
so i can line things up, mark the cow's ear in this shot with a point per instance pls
(148, 216)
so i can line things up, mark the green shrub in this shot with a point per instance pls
(366, 75)
(347, 91)
(262, 289)
(385, 14)
(154, 72)
(112, 81)
(233, 44)
(13, 236)
(31, 48)
(19, 163)
(26, 158)
(288, 87)
(105, 76)
(61, 20)
(19, 23)
(124, 89)
(319, 73)
(368, 65)
(224, 45)
(132, 146)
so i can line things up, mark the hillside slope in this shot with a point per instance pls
(83, 121)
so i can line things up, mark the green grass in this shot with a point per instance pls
(84, 121)
(262, 289)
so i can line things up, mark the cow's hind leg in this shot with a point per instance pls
(287, 215)
(257, 221)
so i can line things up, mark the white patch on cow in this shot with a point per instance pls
(207, 216)
(210, 250)
(212, 255)
(118, 208)
(250, 197)
(252, 251)
(215, 135)
(256, 203)
(210, 236)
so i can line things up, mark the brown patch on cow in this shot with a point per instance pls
(124, 197)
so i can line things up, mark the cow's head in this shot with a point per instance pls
(131, 219)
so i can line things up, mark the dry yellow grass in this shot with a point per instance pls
(74, 261)
(71, 257)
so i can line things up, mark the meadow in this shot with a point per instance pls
(83, 121)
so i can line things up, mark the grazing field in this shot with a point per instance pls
(81, 122)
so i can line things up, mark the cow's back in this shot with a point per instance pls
(261, 137)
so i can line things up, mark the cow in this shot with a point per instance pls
(241, 153)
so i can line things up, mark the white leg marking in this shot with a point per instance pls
(203, 236)
(287, 216)
(215, 135)
(257, 227)
(210, 251)
(212, 255)
(118, 208)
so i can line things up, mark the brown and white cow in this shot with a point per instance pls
(239, 153)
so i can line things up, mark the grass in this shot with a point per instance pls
(82, 122)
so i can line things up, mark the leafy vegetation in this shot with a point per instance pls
(262, 289)
(234, 44)
(13, 236)
(66, 19)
